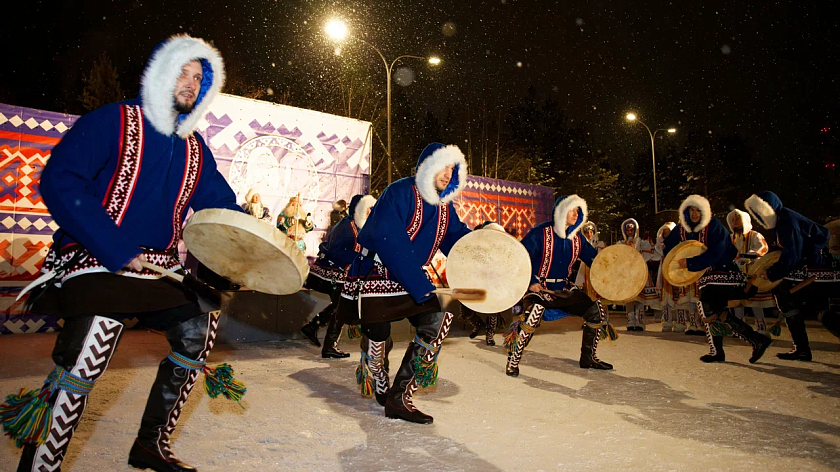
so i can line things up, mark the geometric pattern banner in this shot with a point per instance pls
(288, 151)
(516, 206)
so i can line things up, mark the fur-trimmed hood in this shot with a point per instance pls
(699, 202)
(251, 192)
(628, 222)
(670, 225)
(159, 79)
(434, 158)
(562, 206)
(359, 205)
(746, 221)
(763, 207)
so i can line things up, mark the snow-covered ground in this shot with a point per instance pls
(661, 409)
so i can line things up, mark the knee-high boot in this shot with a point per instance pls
(594, 319)
(716, 353)
(418, 369)
(190, 343)
(759, 342)
(82, 352)
(519, 335)
(491, 329)
(330, 349)
(801, 346)
(310, 330)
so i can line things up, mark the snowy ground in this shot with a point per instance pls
(661, 409)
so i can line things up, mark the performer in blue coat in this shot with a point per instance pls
(327, 273)
(554, 247)
(411, 221)
(723, 281)
(120, 184)
(804, 255)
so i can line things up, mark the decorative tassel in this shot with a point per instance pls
(364, 378)
(220, 381)
(607, 331)
(775, 330)
(719, 328)
(27, 416)
(426, 373)
(354, 331)
(512, 337)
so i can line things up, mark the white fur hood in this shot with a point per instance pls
(157, 85)
(360, 211)
(699, 202)
(746, 221)
(562, 207)
(434, 158)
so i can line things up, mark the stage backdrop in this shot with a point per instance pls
(282, 151)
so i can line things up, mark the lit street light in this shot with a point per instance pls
(632, 117)
(337, 31)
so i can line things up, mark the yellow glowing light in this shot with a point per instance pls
(631, 117)
(672, 130)
(434, 60)
(336, 29)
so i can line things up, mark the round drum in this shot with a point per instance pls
(619, 273)
(671, 270)
(760, 266)
(492, 260)
(246, 251)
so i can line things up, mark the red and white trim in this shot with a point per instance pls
(576, 246)
(440, 233)
(356, 246)
(124, 180)
(414, 227)
(192, 170)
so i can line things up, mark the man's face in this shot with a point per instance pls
(443, 177)
(255, 198)
(572, 216)
(588, 233)
(694, 213)
(631, 231)
(187, 87)
(665, 232)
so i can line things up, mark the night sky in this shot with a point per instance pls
(762, 70)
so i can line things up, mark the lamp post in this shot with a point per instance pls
(337, 30)
(632, 117)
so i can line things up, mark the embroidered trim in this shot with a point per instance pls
(576, 245)
(89, 264)
(185, 362)
(192, 170)
(124, 180)
(442, 225)
(330, 274)
(414, 227)
(702, 235)
(356, 246)
(548, 253)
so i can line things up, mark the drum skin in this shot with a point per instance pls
(246, 251)
(492, 260)
(618, 273)
(671, 270)
(760, 266)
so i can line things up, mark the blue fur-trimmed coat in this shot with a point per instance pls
(340, 247)
(710, 231)
(554, 247)
(125, 175)
(800, 239)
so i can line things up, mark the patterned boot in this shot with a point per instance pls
(679, 324)
(418, 369)
(640, 317)
(491, 329)
(190, 343)
(81, 354)
(667, 322)
(759, 342)
(801, 345)
(371, 374)
(519, 335)
(716, 353)
(593, 320)
(760, 322)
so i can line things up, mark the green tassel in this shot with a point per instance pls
(719, 328)
(607, 331)
(354, 331)
(364, 379)
(775, 330)
(426, 373)
(26, 417)
(220, 381)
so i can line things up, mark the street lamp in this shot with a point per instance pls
(631, 117)
(337, 31)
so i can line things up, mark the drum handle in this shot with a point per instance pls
(162, 271)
